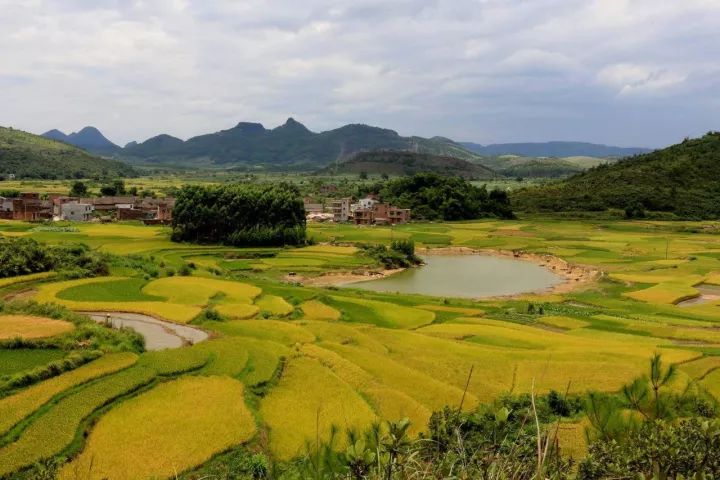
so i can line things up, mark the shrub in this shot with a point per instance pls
(22, 256)
(687, 448)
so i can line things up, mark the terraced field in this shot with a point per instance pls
(286, 362)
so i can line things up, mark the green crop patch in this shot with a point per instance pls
(125, 290)
(18, 360)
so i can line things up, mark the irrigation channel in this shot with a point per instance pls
(158, 334)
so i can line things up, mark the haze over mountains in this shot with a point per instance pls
(553, 149)
(294, 146)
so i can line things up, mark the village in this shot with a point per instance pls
(33, 207)
(366, 211)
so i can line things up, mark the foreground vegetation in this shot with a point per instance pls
(296, 366)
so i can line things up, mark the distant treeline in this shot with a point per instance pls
(681, 181)
(436, 197)
(240, 214)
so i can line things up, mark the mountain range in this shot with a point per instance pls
(89, 138)
(553, 149)
(294, 146)
(289, 146)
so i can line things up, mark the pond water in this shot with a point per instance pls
(708, 293)
(158, 334)
(470, 276)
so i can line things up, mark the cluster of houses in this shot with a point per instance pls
(33, 207)
(366, 211)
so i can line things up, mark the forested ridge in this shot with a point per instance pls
(32, 156)
(681, 180)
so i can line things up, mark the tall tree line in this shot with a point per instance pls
(240, 214)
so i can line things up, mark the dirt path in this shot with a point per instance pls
(343, 278)
(158, 334)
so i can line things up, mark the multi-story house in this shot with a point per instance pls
(341, 210)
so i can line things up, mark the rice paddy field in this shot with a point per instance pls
(286, 362)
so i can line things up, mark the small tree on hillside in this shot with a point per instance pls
(78, 189)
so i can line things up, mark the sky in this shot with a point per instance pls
(620, 72)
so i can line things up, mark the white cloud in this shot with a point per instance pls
(640, 79)
(484, 70)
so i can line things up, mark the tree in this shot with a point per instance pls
(117, 187)
(363, 176)
(78, 189)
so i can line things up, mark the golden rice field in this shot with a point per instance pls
(26, 326)
(170, 428)
(287, 362)
(16, 407)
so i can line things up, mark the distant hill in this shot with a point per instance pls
(553, 149)
(393, 162)
(681, 180)
(89, 138)
(542, 167)
(289, 146)
(34, 156)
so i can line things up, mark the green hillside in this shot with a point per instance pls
(32, 156)
(544, 167)
(289, 146)
(681, 180)
(393, 162)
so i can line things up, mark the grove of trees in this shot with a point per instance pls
(240, 214)
(437, 197)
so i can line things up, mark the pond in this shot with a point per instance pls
(469, 276)
(707, 293)
(158, 334)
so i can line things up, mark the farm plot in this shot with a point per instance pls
(16, 407)
(16, 360)
(173, 427)
(25, 326)
(316, 310)
(294, 410)
(54, 430)
(382, 314)
(178, 299)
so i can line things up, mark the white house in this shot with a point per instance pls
(6, 204)
(363, 204)
(77, 212)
